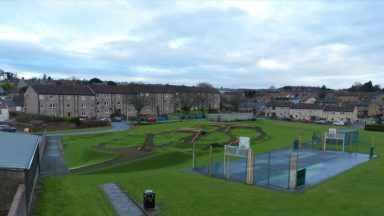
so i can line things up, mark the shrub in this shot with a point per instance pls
(374, 127)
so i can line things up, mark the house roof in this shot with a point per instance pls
(250, 105)
(335, 108)
(350, 94)
(121, 89)
(326, 101)
(62, 90)
(17, 150)
(108, 89)
(18, 100)
(9, 102)
(307, 106)
(279, 104)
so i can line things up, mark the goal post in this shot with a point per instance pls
(241, 151)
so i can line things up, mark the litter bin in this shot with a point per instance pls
(149, 199)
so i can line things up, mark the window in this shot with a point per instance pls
(53, 114)
(83, 106)
(106, 111)
(106, 103)
(51, 96)
(97, 102)
(82, 113)
(52, 106)
(41, 97)
(68, 105)
(118, 102)
(93, 106)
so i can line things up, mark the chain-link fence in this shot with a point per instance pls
(284, 169)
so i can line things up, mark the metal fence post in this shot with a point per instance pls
(269, 167)
(210, 161)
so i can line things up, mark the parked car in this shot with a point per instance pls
(287, 119)
(116, 119)
(7, 128)
(319, 121)
(307, 120)
(338, 123)
(105, 119)
(151, 119)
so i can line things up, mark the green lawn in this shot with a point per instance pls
(178, 192)
(172, 138)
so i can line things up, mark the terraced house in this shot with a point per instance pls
(103, 100)
(302, 111)
(306, 111)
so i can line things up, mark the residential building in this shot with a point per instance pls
(103, 100)
(345, 97)
(4, 113)
(306, 111)
(302, 111)
(279, 109)
(250, 107)
(63, 101)
(333, 113)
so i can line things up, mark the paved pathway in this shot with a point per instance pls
(53, 162)
(121, 202)
(116, 126)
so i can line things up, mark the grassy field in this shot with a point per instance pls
(179, 192)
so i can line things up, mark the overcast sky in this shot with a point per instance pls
(238, 44)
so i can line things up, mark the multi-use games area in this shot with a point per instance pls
(160, 157)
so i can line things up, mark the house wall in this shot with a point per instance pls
(278, 112)
(374, 109)
(8, 187)
(103, 105)
(300, 114)
(340, 116)
(4, 113)
(347, 98)
(67, 105)
(31, 101)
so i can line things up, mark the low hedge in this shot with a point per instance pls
(374, 127)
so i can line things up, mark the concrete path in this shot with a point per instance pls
(53, 162)
(121, 202)
(116, 126)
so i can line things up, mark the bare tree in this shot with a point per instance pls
(235, 100)
(139, 101)
(186, 101)
(203, 96)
